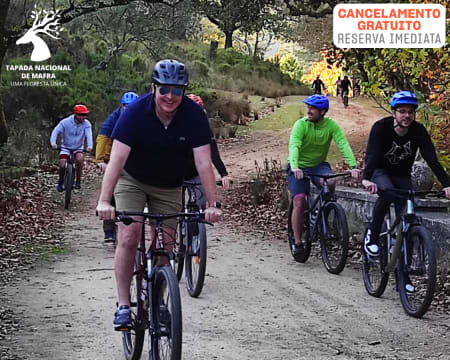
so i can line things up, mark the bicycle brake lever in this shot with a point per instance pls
(126, 220)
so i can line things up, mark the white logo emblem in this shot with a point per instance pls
(398, 153)
(48, 24)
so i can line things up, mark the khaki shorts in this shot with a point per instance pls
(132, 195)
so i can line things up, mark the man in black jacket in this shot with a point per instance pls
(318, 85)
(391, 150)
(191, 173)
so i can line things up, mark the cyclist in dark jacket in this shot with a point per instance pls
(103, 149)
(191, 173)
(391, 150)
(318, 85)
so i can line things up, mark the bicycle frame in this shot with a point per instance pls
(398, 231)
(318, 204)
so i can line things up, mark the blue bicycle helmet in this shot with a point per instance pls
(170, 72)
(404, 98)
(318, 101)
(129, 97)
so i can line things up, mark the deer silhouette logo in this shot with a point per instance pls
(48, 24)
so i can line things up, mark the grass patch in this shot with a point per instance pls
(58, 250)
(284, 118)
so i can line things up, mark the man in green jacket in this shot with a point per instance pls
(308, 149)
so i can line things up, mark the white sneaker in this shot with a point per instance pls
(370, 244)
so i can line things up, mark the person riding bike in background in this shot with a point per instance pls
(309, 144)
(391, 150)
(318, 85)
(104, 141)
(151, 142)
(338, 86)
(191, 173)
(103, 149)
(74, 130)
(345, 88)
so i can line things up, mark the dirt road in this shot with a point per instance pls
(257, 303)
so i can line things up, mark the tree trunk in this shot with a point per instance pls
(228, 39)
(213, 50)
(255, 51)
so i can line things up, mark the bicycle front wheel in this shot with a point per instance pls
(196, 254)
(419, 271)
(68, 183)
(133, 340)
(165, 340)
(374, 277)
(334, 241)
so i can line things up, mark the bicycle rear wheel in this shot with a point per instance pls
(133, 340)
(303, 256)
(196, 254)
(68, 182)
(335, 244)
(165, 340)
(421, 270)
(374, 276)
(179, 249)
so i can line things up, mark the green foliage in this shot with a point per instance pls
(224, 68)
(32, 112)
(231, 56)
(290, 65)
(199, 68)
(284, 118)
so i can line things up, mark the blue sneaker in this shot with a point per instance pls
(60, 188)
(122, 319)
(77, 185)
(109, 236)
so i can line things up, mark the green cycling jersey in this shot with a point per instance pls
(309, 143)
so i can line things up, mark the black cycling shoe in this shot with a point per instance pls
(77, 185)
(298, 249)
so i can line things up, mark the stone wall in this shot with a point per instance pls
(435, 213)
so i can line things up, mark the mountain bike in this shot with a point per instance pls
(406, 248)
(69, 175)
(325, 219)
(191, 244)
(155, 301)
(345, 97)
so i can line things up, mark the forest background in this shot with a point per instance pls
(269, 48)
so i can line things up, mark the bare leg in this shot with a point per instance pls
(129, 236)
(79, 165)
(297, 219)
(62, 170)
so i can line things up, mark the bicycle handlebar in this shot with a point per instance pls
(194, 183)
(327, 176)
(125, 216)
(410, 193)
(69, 149)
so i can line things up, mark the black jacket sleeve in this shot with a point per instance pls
(373, 152)
(217, 161)
(428, 152)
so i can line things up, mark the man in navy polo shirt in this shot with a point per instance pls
(151, 142)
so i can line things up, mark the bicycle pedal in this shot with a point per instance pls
(123, 328)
